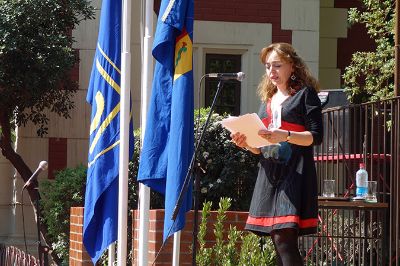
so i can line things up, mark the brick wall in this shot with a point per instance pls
(58, 150)
(79, 257)
(77, 253)
(252, 11)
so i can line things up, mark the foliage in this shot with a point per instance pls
(369, 76)
(204, 253)
(253, 250)
(36, 57)
(262, 246)
(226, 171)
(58, 196)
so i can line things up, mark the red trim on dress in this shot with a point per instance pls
(270, 221)
(292, 127)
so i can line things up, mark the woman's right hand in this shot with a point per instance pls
(239, 140)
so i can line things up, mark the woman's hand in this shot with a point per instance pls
(273, 135)
(239, 140)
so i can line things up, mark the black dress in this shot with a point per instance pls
(285, 194)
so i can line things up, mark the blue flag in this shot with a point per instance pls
(168, 141)
(101, 198)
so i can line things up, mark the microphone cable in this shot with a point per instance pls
(23, 219)
(199, 113)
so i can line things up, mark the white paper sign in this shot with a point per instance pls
(249, 125)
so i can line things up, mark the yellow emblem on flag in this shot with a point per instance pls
(183, 55)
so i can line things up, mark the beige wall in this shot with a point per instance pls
(6, 197)
(333, 25)
(11, 226)
(302, 18)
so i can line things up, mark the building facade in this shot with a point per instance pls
(228, 36)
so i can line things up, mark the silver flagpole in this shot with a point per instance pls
(124, 133)
(147, 75)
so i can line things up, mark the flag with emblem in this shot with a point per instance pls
(168, 141)
(101, 197)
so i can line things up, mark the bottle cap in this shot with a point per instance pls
(362, 165)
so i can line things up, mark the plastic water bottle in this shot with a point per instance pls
(361, 181)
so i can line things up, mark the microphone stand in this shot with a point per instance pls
(188, 178)
(42, 250)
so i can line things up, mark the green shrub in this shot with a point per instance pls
(369, 77)
(58, 196)
(240, 248)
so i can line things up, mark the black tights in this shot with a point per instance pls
(286, 247)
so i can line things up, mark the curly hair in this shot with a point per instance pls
(302, 74)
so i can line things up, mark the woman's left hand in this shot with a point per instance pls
(273, 135)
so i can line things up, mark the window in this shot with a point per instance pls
(229, 98)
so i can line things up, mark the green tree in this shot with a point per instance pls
(370, 75)
(36, 58)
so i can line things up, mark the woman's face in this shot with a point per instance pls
(278, 70)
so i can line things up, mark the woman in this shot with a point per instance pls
(284, 203)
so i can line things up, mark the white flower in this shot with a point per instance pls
(205, 155)
(210, 185)
(219, 181)
(203, 190)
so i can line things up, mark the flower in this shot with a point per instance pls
(219, 180)
(203, 190)
(205, 155)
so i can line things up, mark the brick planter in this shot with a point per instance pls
(156, 219)
(77, 252)
(78, 255)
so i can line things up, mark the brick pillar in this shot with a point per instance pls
(156, 220)
(77, 252)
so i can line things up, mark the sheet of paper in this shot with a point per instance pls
(249, 125)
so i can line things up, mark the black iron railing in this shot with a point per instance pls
(358, 233)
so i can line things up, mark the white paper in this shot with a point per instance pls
(249, 125)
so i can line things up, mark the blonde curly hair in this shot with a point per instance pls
(303, 76)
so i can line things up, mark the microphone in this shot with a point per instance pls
(42, 167)
(227, 76)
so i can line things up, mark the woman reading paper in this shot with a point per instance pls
(284, 202)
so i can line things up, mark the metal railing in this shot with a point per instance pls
(358, 233)
(11, 256)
